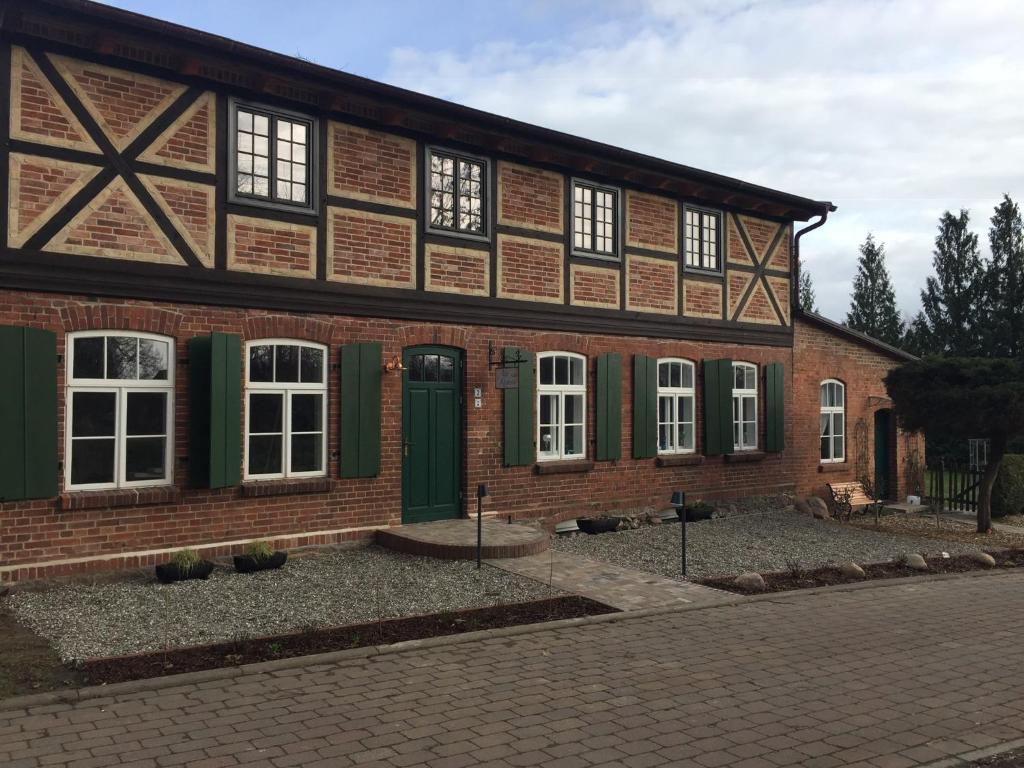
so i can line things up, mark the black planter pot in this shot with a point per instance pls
(250, 564)
(168, 573)
(598, 524)
(693, 514)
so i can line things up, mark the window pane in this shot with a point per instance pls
(312, 365)
(561, 370)
(824, 395)
(88, 358)
(665, 409)
(576, 371)
(749, 435)
(307, 413)
(665, 437)
(686, 409)
(430, 368)
(547, 370)
(548, 444)
(153, 359)
(837, 424)
(663, 374)
(287, 363)
(574, 409)
(416, 368)
(147, 413)
(265, 413)
(145, 458)
(840, 395)
(92, 461)
(447, 368)
(265, 455)
(837, 443)
(748, 409)
(574, 441)
(738, 380)
(826, 443)
(307, 453)
(548, 409)
(676, 375)
(261, 363)
(826, 423)
(686, 441)
(93, 414)
(687, 376)
(122, 357)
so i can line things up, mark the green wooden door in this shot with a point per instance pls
(431, 434)
(882, 454)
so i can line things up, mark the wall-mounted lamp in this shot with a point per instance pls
(394, 364)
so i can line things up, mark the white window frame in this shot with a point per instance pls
(285, 390)
(674, 394)
(121, 389)
(738, 396)
(832, 411)
(561, 391)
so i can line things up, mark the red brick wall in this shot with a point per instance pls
(271, 247)
(702, 299)
(37, 112)
(371, 248)
(652, 222)
(36, 531)
(594, 286)
(369, 165)
(457, 270)
(529, 197)
(529, 269)
(651, 284)
(820, 355)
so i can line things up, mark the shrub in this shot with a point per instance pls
(259, 550)
(1008, 492)
(186, 560)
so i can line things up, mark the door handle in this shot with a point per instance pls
(405, 447)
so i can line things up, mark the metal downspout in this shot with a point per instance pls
(795, 290)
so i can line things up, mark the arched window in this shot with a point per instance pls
(833, 421)
(744, 406)
(675, 406)
(285, 409)
(120, 410)
(561, 405)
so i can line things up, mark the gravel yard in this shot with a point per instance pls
(318, 590)
(740, 543)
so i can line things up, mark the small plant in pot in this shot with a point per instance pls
(259, 557)
(184, 565)
(602, 524)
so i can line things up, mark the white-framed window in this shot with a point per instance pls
(561, 405)
(675, 406)
(595, 220)
(833, 421)
(120, 410)
(744, 406)
(285, 409)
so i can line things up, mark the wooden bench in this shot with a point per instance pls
(846, 497)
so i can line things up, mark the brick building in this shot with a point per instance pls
(244, 296)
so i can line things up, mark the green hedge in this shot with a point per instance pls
(1008, 492)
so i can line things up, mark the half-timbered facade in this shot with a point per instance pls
(244, 296)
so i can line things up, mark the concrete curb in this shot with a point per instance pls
(74, 695)
(967, 758)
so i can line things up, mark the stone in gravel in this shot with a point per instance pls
(982, 558)
(915, 561)
(653, 519)
(851, 570)
(803, 507)
(819, 509)
(752, 581)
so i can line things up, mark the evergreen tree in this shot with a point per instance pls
(1003, 333)
(918, 337)
(808, 301)
(953, 298)
(873, 307)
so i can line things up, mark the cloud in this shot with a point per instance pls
(895, 111)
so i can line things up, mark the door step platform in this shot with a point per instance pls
(456, 539)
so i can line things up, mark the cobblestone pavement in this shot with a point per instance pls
(882, 677)
(622, 588)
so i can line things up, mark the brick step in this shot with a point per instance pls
(456, 539)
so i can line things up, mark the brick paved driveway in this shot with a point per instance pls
(885, 677)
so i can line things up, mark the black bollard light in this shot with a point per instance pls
(481, 494)
(679, 504)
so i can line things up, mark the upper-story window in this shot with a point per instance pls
(561, 405)
(595, 220)
(702, 239)
(457, 190)
(675, 406)
(286, 409)
(833, 422)
(273, 156)
(744, 406)
(120, 410)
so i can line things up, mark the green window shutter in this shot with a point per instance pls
(359, 443)
(718, 377)
(775, 408)
(645, 407)
(28, 414)
(609, 407)
(215, 410)
(518, 405)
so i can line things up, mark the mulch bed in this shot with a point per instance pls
(785, 581)
(154, 664)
